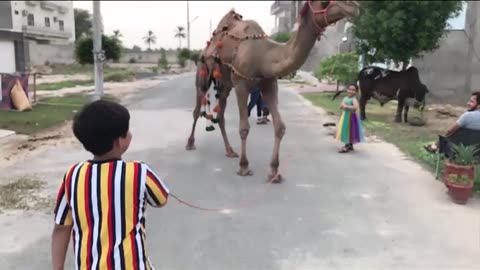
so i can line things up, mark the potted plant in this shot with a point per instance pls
(459, 172)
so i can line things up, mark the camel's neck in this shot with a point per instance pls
(289, 57)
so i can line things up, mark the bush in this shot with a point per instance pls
(281, 37)
(84, 48)
(132, 60)
(182, 62)
(340, 67)
(163, 62)
(182, 56)
(195, 56)
(119, 75)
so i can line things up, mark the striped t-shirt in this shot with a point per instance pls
(105, 202)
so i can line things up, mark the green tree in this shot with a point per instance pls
(342, 68)
(83, 23)
(281, 37)
(84, 48)
(180, 33)
(150, 39)
(195, 56)
(163, 62)
(400, 30)
(182, 56)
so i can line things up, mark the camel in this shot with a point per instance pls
(256, 60)
(207, 73)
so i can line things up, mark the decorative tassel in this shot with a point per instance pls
(219, 44)
(208, 114)
(216, 109)
(203, 105)
(202, 73)
(217, 74)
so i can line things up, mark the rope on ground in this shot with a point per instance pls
(235, 206)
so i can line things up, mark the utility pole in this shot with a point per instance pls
(188, 25)
(98, 54)
(470, 31)
(210, 29)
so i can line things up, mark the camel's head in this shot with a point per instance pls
(325, 13)
(228, 21)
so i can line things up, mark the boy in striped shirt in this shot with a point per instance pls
(104, 199)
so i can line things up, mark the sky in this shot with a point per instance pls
(135, 18)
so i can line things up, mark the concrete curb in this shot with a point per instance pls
(4, 133)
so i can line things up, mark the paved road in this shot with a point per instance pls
(371, 209)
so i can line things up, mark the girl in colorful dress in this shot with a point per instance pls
(349, 129)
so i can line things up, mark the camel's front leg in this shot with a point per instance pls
(242, 98)
(270, 95)
(229, 152)
(196, 114)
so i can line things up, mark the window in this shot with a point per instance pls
(47, 22)
(16, 12)
(61, 25)
(30, 20)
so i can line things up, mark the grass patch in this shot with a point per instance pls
(408, 139)
(71, 69)
(110, 75)
(23, 193)
(44, 115)
(63, 84)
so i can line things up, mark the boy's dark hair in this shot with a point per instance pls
(99, 124)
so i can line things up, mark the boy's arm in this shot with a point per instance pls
(157, 191)
(62, 228)
(60, 239)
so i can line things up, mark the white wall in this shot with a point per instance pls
(53, 53)
(39, 14)
(7, 56)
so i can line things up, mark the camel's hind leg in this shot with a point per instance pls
(196, 114)
(229, 152)
(242, 92)
(270, 96)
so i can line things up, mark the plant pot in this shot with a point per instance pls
(459, 192)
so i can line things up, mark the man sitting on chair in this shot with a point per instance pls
(469, 120)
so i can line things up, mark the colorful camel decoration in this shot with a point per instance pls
(210, 71)
(251, 59)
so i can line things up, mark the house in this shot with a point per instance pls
(282, 10)
(36, 33)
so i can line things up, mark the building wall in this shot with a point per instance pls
(41, 54)
(7, 56)
(5, 15)
(21, 9)
(445, 71)
(147, 57)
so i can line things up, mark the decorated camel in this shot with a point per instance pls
(210, 71)
(255, 60)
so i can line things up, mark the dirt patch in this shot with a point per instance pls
(21, 146)
(24, 193)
